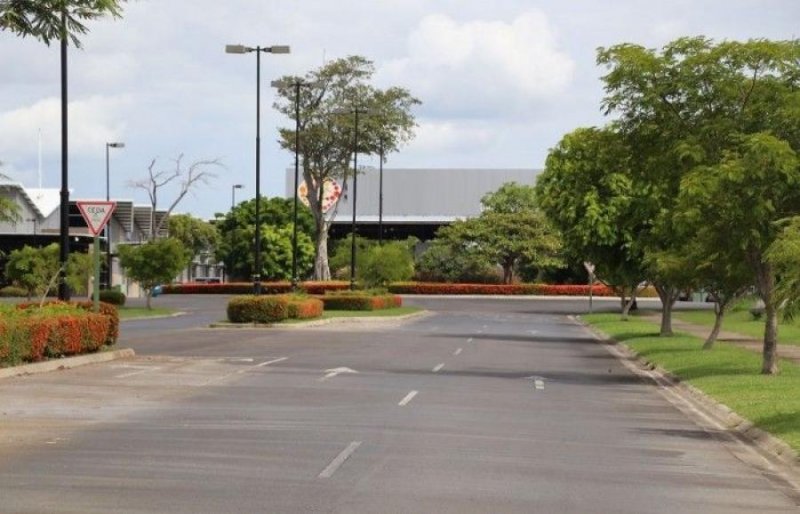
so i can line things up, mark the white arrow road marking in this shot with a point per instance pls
(410, 396)
(330, 373)
(438, 367)
(457, 351)
(469, 340)
(238, 359)
(273, 361)
(538, 382)
(339, 460)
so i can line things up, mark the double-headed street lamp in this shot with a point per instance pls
(241, 49)
(108, 225)
(233, 194)
(296, 84)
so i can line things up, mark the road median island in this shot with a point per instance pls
(331, 317)
(724, 382)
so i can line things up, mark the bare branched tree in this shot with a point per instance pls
(189, 177)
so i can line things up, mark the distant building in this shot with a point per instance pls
(417, 201)
(39, 225)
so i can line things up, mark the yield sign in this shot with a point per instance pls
(96, 214)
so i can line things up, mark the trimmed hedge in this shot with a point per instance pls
(32, 334)
(258, 309)
(356, 301)
(113, 297)
(304, 307)
(244, 288)
(13, 292)
(498, 289)
(106, 309)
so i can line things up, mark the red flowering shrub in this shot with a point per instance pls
(359, 301)
(247, 288)
(498, 289)
(304, 307)
(30, 333)
(257, 309)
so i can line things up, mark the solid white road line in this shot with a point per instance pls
(438, 367)
(339, 460)
(273, 361)
(410, 396)
(457, 351)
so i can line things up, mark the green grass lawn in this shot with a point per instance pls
(740, 320)
(143, 312)
(729, 374)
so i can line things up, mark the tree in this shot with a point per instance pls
(743, 198)
(587, 193)
(41, 19)
(326, 138)
(189, 177)
(688, 106)
(36, 269)
(196, 235)
(237, 235)
(443, 263)
(153, 263)
(391, 262)
(510, 229)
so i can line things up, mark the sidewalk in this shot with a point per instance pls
(785, 351)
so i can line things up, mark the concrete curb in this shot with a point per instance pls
(765, 442)
(65, 363)
(323, 322)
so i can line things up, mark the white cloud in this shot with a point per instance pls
(446, 136)
(482, 67)
(92, 122)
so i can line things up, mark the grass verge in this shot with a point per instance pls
(143, 312)
(728, 374)
(740, 320)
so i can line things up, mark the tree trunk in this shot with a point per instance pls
(765, 283)
(719, 314)
(147, 297)
(667, 295)
(508, 273)
(770, 362)
(321, 269)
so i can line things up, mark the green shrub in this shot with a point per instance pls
(257, 309)
(113, 297)
(359, 301)
(440, 263)
(13, 292)
(382, 265)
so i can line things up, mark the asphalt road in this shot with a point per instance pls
(483, 406)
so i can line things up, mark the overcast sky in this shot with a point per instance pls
(501, 81)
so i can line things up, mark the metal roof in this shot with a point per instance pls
(420, 195)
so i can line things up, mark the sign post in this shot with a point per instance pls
(96, 215)
(590, 268)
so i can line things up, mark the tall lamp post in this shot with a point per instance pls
(233, 194)
(241, 49)
(63, 237)
(296, 84)
(356, 111)
(380, 192)
(108, 225)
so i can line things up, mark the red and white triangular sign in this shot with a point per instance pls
(96, 214)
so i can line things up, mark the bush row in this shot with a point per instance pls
(498, 289)
(360, 302)
(272, 308)
(56, 306)
(244, 288)
(29, 333)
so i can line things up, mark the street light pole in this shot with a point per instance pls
(297, 85)
(380, 193)
(233, 194)
(355, 194)
(63, 254)
(241, 49)
(108, 225)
